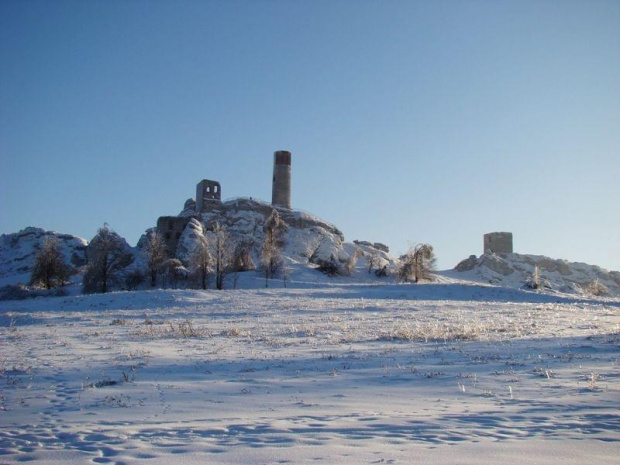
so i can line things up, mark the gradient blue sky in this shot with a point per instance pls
(409, 121)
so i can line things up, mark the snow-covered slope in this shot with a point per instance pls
(18, 252)
(342, 373)
(516, 270)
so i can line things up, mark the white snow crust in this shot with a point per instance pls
(323, 371)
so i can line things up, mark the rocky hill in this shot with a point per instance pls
(537, 271)
(307, 240)
(18, 252)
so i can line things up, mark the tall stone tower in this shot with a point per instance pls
(281, 190)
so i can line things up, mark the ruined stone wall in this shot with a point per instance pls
(171, 228)
(498, 242)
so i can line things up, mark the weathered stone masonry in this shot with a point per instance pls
(498, 242)
(281, 190)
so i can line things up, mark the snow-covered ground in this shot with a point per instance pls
(324, 371)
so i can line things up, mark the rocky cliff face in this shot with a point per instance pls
(308, 239)
(517, 270)
(18, 252)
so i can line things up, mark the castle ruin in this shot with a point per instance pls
(498, 242)
(171, 228)
(209, 196)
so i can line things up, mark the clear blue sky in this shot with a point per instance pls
(409, 121)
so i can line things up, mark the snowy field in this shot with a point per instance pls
(335, 372)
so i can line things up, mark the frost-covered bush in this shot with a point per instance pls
(134, 279)
(108, 254)
(418, 263)
(242, 258)
(382, 272)
(271, 251)
(50, 269)
(536, 281)
(173, 272)
(200, 263)
(597, 288)
(155, 254)
(351, 262)
(329, 267)
(21, 292)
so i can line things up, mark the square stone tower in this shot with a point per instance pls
(498, 242)
(207, 193)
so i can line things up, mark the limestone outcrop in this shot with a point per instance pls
(18, 252)
(307, 240)
(516, 270)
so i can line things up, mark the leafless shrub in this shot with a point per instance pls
(329, 267)
(349, 266)
(271, 257)
(187, 330)
(134, 279)
(156, 253)
(50, 269)
(242, 258)
(222, 253)
(536, 281)
(200, 262)
(173, 272)
(372, 260)
(107, 253)
(418, 263)
(596, 288)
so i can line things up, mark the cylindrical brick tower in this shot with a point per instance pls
(281, 191)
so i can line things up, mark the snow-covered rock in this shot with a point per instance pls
(192, 235)
(308, 239)
(515, 270)
(18, 252)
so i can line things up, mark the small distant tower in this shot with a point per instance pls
(498, 242)
(281, 191)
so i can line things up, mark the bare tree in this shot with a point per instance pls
(373, 260)
(597, 288)
(134, 279)
(349, 266)
(173, 271)
(330, 267)
(418, 263)
(222, 254)
(156, 253)
(242, 258)
(107, 255)
(200, 262)
(271, 258)
(285, 271)
(50, 269)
